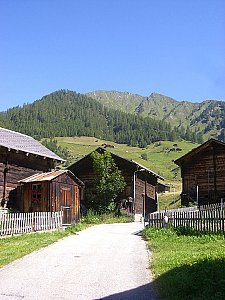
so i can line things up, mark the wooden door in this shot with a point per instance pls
(66, 205)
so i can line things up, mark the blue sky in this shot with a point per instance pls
(173, 47)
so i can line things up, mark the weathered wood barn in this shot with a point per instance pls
(162, 188)
(140, 182)
(20, 156)
(52, 191)
(202, 172)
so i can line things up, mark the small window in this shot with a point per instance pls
(36, 194)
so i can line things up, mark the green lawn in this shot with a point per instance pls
(14, 247)
(186, 266)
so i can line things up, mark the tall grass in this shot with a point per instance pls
(108, 218)
(187, 266)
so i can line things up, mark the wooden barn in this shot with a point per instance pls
(52, 191)
(140, 182)
(162, 188)
(21, 156)
(202, 172)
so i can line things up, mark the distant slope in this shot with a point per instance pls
(118, 116)
(67, 113)
(207, 116)
(124, 101)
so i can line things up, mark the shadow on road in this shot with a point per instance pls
(201, 280)
(144, 292)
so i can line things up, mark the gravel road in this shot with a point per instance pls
(101, 262)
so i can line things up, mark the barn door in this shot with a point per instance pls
(189, 188)
(66, 205)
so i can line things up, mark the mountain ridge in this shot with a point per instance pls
(59, 111)
(207, 116)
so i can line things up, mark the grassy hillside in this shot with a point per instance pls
(124, 101)
(160, 155)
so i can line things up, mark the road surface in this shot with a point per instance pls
(101, 262)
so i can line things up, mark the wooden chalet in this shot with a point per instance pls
(52, 191)
(20, 156)
(140, 182)
(202, 172)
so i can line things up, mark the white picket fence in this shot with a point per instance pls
(19, 223)
(207, 218)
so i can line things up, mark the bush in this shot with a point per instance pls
(144, 156)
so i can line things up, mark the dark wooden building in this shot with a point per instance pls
(140, 182)
(162, 188)
(202, 172)
(20, 156)
(52, 191)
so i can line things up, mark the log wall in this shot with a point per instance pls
(16, 166)
(62, 193)
(205, 170)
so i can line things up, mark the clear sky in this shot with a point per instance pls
(173, 47)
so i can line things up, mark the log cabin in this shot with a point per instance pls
(202, 172)
(52, 191)
(21, 156)
(140, 182)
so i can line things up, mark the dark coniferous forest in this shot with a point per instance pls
(66, 113)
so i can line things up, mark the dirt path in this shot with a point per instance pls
(101, 262)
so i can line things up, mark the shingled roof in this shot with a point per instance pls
(21, 142)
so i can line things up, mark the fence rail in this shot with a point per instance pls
(18, 223)
(204, 219)
(220, 205)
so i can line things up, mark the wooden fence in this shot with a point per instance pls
(204, 220)
(18, 223)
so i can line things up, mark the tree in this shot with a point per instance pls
(109, 180)
(52, 145)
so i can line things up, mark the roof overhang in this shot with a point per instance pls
(197, 150)
(137, 167)
(49, 176)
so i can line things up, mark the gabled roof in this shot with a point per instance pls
(136, 166)
(195, 151)
(49, 176)
(21, 142)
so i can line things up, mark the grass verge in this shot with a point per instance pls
(14, 247)
(187, 266)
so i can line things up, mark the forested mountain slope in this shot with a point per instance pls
(66, 113)
(116, 116)
(207, 116)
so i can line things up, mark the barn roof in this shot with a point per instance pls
(197, 150)
(136, 166)
(21, 142)
(49, 176)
